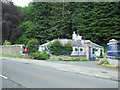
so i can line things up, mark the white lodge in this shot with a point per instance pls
(80, 47)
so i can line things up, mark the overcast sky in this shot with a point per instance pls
(21, 3)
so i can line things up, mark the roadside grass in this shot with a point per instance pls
(65, 59)
(111, 66)
(106, 64)
(54, 59)
(11, 55)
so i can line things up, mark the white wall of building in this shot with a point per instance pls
(78, 52)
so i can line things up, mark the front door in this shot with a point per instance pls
(92, 55)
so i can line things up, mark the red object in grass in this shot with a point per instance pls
(26, 49)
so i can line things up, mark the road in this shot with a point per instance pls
(86, 63)
(25, 75)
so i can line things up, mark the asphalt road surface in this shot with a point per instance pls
(92, 64)
(24, 75)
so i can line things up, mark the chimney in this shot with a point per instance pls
(74, 36)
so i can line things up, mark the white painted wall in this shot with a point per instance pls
(41, 49)
(74, 52)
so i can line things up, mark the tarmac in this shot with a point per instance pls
(111, 74)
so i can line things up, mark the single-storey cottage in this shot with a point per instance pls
(80, 47)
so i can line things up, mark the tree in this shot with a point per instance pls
(7, 43)
(67, 48)
(11, 19)
(55, 47)
(96, 21)
(32, 45)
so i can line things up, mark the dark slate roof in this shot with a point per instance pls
(74, 43)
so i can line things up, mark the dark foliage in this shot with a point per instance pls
(96, 21)
(11, 18)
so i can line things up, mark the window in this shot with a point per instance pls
(93, 51)
(76, 49)
(81, 49)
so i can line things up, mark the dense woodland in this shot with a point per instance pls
(11, 19)
(45, 21)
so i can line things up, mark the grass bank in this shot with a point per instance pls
(15, 56)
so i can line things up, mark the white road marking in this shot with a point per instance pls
(3, 76)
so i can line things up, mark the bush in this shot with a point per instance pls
(7, 43)
(104, 62)
(68, 48)
(55, 47)
(32, 45)
(40, 55)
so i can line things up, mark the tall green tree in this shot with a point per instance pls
(11, 19)
(96, 21)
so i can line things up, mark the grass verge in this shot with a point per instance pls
(108, 65)
(11, 55)
(54, 59)
(65, 59)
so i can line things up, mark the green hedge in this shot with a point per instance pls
(32, 45)
(57, 48)
(40, 55)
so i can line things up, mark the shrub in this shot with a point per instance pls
(68, 48)
(7, 43)
(104, 62)
(33, 45)
(40, 55)
(55, 47)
